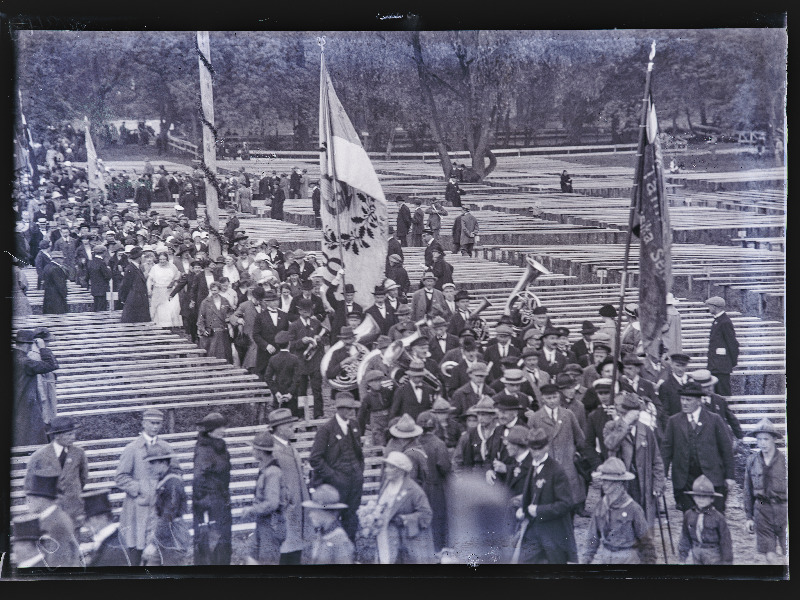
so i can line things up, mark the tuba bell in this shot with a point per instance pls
(474, 321)
(347, 377)
(397, 358)
(528, 300)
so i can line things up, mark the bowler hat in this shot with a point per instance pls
(25, 336)
(613, 470)
(405, 428)
(462, 295)
(518, 435)
(548, 388)
(680, 358)
(42, 484)
(346, 333)
(96, 502)
(766, 426)
(26, 527)
(506, 402)
(212, 421)
(135, 253)
(607, 310)
(588, 327)
(691, 389)
(346, 400)
(537, 438)
(153, 414)
(513, 376)
(702, 486)
(324, 497)
(703, 377)
(62, 424)
(716, 301)
(400, 460)
(550, 331)
(280, 416)
(442, 406)
(263, 441)
(374, 375)
(426, 420)
(379, 291)
(349, 288)
(564, 381)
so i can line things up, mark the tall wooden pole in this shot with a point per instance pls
(634, 196)
(209, 159)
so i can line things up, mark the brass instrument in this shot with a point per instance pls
(474, 321)
(397, 359)
(347, 377)
(309, 352)
(529, 300)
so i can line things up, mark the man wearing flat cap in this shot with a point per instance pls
(133, 291)
(133, 477)
(548, 536)
(696, 443)
(723, 347)
(336, 458)
(62, 456)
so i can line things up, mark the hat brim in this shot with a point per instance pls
(169, 456)
(755, 432)
(627, 476)
(512, 381)
(57, 431)
(318, 506)
(709, 494)
(348, 404)
(291, 419)
(405, 434)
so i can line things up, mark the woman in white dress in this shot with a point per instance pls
(164, 311)
(229, 270)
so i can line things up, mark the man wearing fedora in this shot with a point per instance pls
(404, 434)
(765, 493)
(298, 528)
(330, 545)
(512, 381)
(414, 396)
(336, 458)
(427, 301)
(723, 347)
(107, 548)
(375, 405)
(678, 376)
(696, 443)
(404, 220)
(133, 477)
(513, 473)
(441, 342)
(716, 403)
(62, 456)
(28, 412)
(550, 359)
(635, 444)
(266, 326)
(306, 341)
(584, 347)
(380, 311)
(496, 451)
(41, 491)
(54, 282)
(548, 536)
(341, 308)
(460, 316)
(133, 291)
(618, 522)
(495, 353)
(99, 275)
(705, 531)
(447, 428)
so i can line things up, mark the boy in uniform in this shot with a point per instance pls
(705, 531)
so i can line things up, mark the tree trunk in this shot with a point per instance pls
(703, 120)
(689, 120)
(427, 94)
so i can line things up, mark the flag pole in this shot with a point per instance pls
(329, 149)
(208, 162)
(634, 196)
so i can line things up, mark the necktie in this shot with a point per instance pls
(502, 351)
(153, 442)
(62, 458)
(692, 422)
(700, 527)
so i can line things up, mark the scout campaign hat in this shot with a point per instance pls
(345, 400)
(374, 375)
(702, 486)
(613, 470)
(325, 497)
(715, 301)
(470, 412)
(513, 376)
(588, 327)
(96, 502)
(212, 421)
(153, 414)
(442, 406)
(537, 438)
(399, 460)
(485, 405)
(42, 484)
(703, 377)
(692, 389)
(405, 428)
(766, 426)
(518, 435)
(263, 441)
(62, 424)
(426, 420)
(280, 416)
(26, 528)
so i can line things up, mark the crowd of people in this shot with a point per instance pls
(523, 410)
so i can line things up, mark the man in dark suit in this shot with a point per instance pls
(266, 326)
(188, 288)
(341, 308)
(441, 342)
(403, 221)
(442, 270)
(336, 458)
(461, 315)
(668, 390)
(464, 357)
(307, 292)
(307, 334)
(431, 245)
(381, 312)
(550, 359)
(723, 347)
(99, 275)
(496, 352)
(133, 291)
(496, 451)
(584, 347)
(549, 536)
(512, 381)
(696, 443)
(596, 421)
(414, 396)
(107, 547)
(417, 223)
(716, 403)
(394, 246)
(41, 260)
(469, 394)
(54, 281)
(282, 374)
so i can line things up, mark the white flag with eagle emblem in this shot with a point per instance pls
(354, 218)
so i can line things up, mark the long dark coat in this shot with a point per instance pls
(211, 498)
(111, 552)
(133, 295)
(215, 322)
(403, 221)
(29, 427)
(723, 347)
(565, 438)
(276, 209)
(54, 281)
(439, 468)
(171, 532)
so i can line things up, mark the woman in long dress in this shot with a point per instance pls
(164, 311)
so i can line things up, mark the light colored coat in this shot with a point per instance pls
(138, 517)
(469, 228)
(71, 478)
(418, 301)
(413, 505)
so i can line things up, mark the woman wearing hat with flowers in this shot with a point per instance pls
(400, 520)
(269, 505)
(330, 546)
(211, 501)
(618, 522)
(705, 531)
